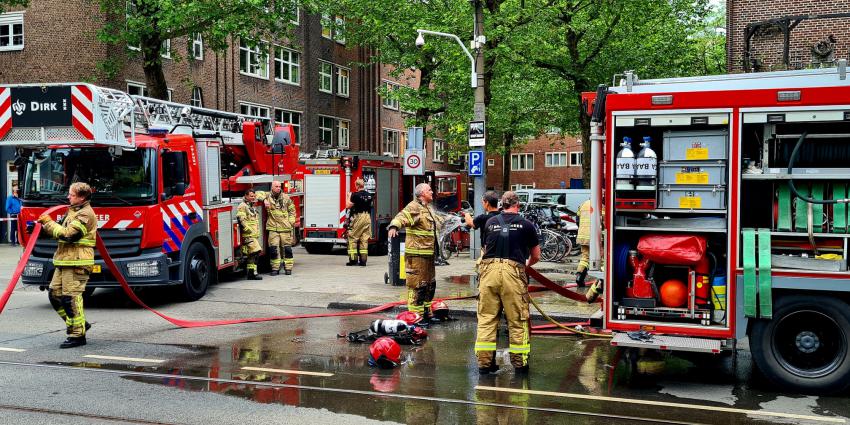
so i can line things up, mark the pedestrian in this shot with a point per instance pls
(583, 241)
(360, 228)
(280, 223)
(13, 208)
(73, 260)
(491, 209)
(422, 224)
(512, 245)
(249, 222)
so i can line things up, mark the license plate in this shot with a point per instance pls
(95, 268)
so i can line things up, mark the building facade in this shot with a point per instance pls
(549, 161)
(785, 34)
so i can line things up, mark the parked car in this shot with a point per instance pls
(571, 198)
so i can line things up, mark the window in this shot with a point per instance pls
(342, 133)
(326, 72)
(522, 186)
(326, 130)
(390, 140)
(556, 159)
(254, 110)
(253, 61)
(456, 158)
(292, 118)
(439, 147)
(388, 101)
(165, 49)
(198, 47)
(12, 31)
(197, 97)
(576, 158)
(339, 30)
(175, 179)
(491, 162)
(287, 65)
(522, 162)
(136, 89)
(327, 31)
(343, 77)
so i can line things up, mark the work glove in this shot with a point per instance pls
(44, 218)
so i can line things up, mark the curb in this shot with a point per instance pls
(535, 315)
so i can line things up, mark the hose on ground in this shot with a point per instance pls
(567, 328)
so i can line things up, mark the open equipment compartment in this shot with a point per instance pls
(670, 218)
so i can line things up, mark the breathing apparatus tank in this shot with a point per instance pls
(625, 166)
(646, 166)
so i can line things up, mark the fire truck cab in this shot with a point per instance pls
(725, 217)
(156, 172)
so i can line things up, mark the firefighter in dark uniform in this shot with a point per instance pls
(74, 258)
(360, 224)
(249, 223)
(491, 209)
(280, 225)
(512, 244)
(420, 247)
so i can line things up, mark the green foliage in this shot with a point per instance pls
(9, 4)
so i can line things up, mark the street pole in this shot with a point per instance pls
(479, 114)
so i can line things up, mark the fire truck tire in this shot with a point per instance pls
(318, 247)
(197, 272)
(805, 346)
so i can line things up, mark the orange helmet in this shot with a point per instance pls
(384, 353)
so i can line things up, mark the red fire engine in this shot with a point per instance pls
(156, 170)
(725, 217)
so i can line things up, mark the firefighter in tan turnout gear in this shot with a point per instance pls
(249, 223)
(360, 228)
(74, 260)
(512, 244)
(280, 224)
(420, 247)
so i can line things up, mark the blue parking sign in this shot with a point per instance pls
(476, 163)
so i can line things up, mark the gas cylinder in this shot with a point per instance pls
(625, 166)
(646, 166)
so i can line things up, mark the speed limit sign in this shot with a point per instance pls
(413, 162)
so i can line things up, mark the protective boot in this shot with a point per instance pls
(72, 342)
(593, 292)
(68, 329)
(351, 262)
(361, 261)
(580, 277)
(287, 272)
(491, 368)
(274, 273)
(252, 275)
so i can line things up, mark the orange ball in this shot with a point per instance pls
(674, 293)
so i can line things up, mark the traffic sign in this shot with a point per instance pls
(415, 138)
(477, 133)
(414, 162)
(476, 163)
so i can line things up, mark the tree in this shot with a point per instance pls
(6, 4)
(149, 23)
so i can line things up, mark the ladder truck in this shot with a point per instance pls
(156, 169)
(720, 214)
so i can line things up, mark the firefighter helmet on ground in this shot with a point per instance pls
(384, 353)
(440, 310)
(409, 317)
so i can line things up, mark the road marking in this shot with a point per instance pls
(12, 350)
(294, 372)
(125, 359)
(667, 404)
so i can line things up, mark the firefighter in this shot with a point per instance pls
(583, 240)
(74, 258)
(249, 222)
(360, 230)
(512, 244)
(422, 224)
(280, 225)
(491, 209)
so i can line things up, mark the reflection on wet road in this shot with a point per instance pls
(305, 364)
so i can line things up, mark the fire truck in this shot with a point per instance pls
(720, 213)
(160, 171)
(329, 179)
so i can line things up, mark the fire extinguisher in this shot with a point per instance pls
(704, 275)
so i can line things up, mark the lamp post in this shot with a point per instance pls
(479, 112)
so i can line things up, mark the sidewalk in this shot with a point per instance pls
(324, 281)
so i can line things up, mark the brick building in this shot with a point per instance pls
(550, 161)
(756, 34)
(312, 82)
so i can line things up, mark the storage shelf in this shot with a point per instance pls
(817, 235)
(671, 211)
(832, 175)
(671, 229)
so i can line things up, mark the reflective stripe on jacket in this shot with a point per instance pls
(249, 220)
(76, 235)
(421, 224)
(281, 211)
(584, 211)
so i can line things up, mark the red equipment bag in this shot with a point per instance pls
(672, 249)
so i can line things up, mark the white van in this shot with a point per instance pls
(572, 198)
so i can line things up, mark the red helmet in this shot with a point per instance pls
(418, 334)
(440, 310)
(384, 353)
(410, 317)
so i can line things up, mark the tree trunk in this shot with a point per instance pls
(584, 122)
(506, 162)
(152, 65)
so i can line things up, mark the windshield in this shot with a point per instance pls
(115, 180)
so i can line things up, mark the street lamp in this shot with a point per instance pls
(420, 41)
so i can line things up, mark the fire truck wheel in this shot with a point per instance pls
(197, 273)
(805, 346)
(318, 247)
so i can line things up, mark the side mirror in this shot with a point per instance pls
(179, 188)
